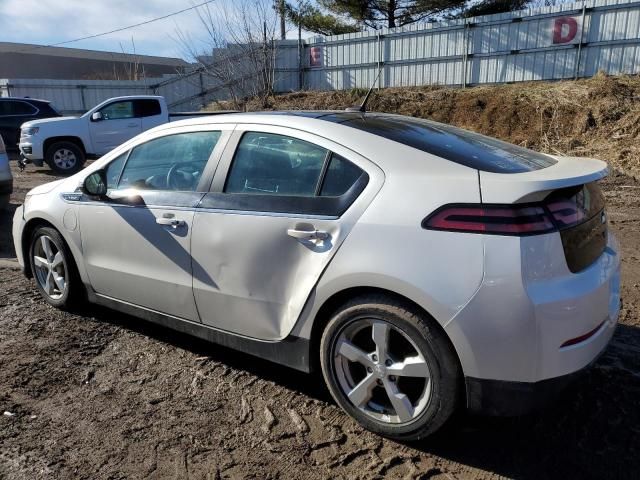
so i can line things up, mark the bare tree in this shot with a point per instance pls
(237, 52)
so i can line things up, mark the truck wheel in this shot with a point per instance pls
(65, 157)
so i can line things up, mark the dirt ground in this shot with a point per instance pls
(102, 395)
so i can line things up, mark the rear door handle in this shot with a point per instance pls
(307, 234)
(132, 125)
(170, 222)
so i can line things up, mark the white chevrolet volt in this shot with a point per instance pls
(420, 267)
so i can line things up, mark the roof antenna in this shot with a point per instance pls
(363, 106)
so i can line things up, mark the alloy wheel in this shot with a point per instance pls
(64, 159)
(381, 371)
(50, 269)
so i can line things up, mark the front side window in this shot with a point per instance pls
(118, 111)
(174, 162)
(270, 164)
(113, 171)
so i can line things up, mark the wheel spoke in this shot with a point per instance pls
(46, 247)
(48, 287)
(410, 367)
(57, 260)
(401, 403)
(353, 353)
(40, 262)
(59, 279)
(380, 335)
(361, 393)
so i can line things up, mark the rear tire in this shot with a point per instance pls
(4, 201)
(406, 390)
(65, 158)
(54, 269)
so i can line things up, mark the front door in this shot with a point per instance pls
(271, 225)
(137, 245)
(119, 123)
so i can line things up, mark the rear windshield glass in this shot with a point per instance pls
(454, 144)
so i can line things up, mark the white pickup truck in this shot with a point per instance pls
(64, 143)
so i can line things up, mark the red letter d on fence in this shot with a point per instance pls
(559, 30)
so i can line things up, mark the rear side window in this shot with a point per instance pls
(147, 108)
(266, 163)
(341, 174)
(11, 107)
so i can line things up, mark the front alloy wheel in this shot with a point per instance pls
(50, 271)
(54, 269)
(390, 366)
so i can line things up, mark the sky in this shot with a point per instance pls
(53, 21)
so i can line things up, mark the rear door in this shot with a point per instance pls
(281, 204)
(119, 123)
(150, 112)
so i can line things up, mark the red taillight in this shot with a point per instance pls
(491, 219)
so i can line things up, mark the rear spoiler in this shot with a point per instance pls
(536, 185)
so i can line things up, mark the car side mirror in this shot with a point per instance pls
(96, 116)
(96, 184)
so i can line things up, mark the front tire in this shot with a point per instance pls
(54, 269)
(65, 158)
(390, 367)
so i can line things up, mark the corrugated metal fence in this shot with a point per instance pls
(549, 43)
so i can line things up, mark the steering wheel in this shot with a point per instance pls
(178, 179)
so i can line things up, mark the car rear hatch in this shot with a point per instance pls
(571, 198)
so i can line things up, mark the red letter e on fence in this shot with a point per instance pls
(562, 35)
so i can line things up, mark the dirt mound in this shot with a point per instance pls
(598, 117)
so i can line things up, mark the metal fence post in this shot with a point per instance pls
(465, 47)
(576, 70)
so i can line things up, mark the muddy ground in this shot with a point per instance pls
(101, 395)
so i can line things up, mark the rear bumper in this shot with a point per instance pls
(510, 399)
(533, 324)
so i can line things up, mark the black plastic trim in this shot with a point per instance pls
(511, 399)
(323, 206)
(291, 351)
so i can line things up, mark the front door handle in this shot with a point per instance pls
(132, 125)
(307, 234)
(170, 222)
